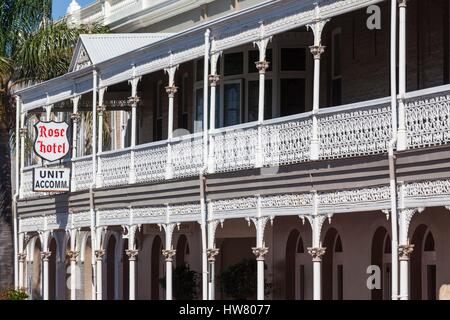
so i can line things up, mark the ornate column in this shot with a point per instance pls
(316, 251)
(99, 262)
(171, 90)
(73, 254)
(23, 134)
(405, 249)
(317, 50)
(214, 79)
(75, 119)
(133, 101)
(212, 252)
(99, 253)
(132, 254)
(402, 143)
(260, 250)
(101, 108)
(21, 257)
(168, 254)
(44, 237)
(262, 65)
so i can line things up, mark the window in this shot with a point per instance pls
(336, 69)
(183, 115)
(198, 122)
(253, 100)
(253, 57)
(302, 282)
(158, 114)
(233, 63)
(340, 282)
(293, 59)
(431, 282)
(292, 96)
(232, 102)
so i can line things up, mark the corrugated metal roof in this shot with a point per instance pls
(103, 47)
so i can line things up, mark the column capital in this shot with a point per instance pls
(213, 79)
(317, 253)
(99, 254)
(404, 251)
(45, 256)
(212, 253)
(169, 254)
(260, 253)
(317, 51)
(134, 101)
(22, 256)
(75, 117)
(101, 109)
(402, 3)
(132, 254)
(171, 90)
(262, 66)
(73, 255)
(23, 132)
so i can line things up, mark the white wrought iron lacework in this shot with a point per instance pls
(355, 132)
(287, 142)
(27, 185)
(116, 168)
(235, 150)
(187, 157)
(287, 200)
(355, 196)
(235, 204)
(428, 188)
(151, 163)
(82, 174)
(428, 121)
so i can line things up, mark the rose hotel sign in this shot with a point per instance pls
(51, 144)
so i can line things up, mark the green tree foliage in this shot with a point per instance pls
(185, 283)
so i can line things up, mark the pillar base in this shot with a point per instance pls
(402, 141)
(315, 150)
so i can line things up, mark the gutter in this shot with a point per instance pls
(392, 158)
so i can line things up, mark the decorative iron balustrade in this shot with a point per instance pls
(359, 129)
(428, 117)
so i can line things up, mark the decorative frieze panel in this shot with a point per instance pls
(355, 132)
(427, 188)
(234, 204)
(185, 211)
(355, 196)
(428, 121)
(113, 217)
(80, 219)
(287, 200)
(31, 224)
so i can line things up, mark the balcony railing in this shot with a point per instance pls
(359, 129)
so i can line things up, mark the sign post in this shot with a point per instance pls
(51, 144)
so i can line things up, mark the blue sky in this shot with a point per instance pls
(60, 6)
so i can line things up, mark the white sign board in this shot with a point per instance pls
(51, 141)
(51, 180)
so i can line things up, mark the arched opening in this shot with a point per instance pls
(332, 267)
(416, 263)
(52, 270)
(423, 265)
(111, 268)
(36, 278)
(380, 244)
(182, 251)
(156, 254)
(291, 248)
(87, 280)
(125, 272)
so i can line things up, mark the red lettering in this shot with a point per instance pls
(42, 132)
